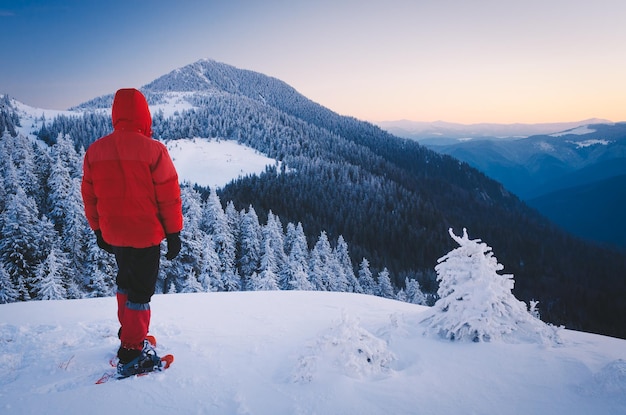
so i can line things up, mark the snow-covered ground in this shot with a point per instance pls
(172, 102)
(294, 352)
(31, 118)
(589, 143)
(215, 163)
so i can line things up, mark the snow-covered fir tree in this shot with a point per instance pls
(297, 260)
(476, 303)
(67, 213)
(10, 173)
(413, 293)
(8, 293)
(337, 280)
(50, 276)
(100, 270)
(366, 280)
(216, 224)
(384, 289)
(250, 246)
(343, 257)
(195, 257)
(24, 154)
(210, 278)
(190, 283)
(19, 246)
(267, 278)
(274, 240)
(3, 191)
(233, 219)
(319, 264)
(534, 309)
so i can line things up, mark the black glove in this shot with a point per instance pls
(102, 243)
(173, 245)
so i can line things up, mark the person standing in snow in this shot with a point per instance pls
(132, 202)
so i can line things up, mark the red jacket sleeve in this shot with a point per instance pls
(89, 197)
(167, 189)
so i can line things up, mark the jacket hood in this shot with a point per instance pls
(130, 112)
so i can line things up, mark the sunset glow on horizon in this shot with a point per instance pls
(452, 60)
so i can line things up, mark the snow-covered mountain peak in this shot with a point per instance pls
(207, 76)
(201, 76)
(190, 78)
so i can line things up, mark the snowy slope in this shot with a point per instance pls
(295, 352)
(31, 118)
(215, 163)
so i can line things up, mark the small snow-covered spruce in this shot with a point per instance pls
(8, 293)
(533, 309)
(476, 303)
(366, 280)
(385, 289)
(413, 292)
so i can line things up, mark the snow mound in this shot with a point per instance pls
(346, 349)
(610, 381)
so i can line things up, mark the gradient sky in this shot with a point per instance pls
(464, 61)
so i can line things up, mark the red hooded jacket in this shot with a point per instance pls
(130, 186)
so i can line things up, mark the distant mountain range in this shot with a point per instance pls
(444, 133)
(573, 176)
(392, 199)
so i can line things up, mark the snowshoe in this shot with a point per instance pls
(147, 361)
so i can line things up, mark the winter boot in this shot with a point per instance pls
(135, 362)
(126, 355)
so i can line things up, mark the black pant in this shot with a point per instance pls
(138, 269)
